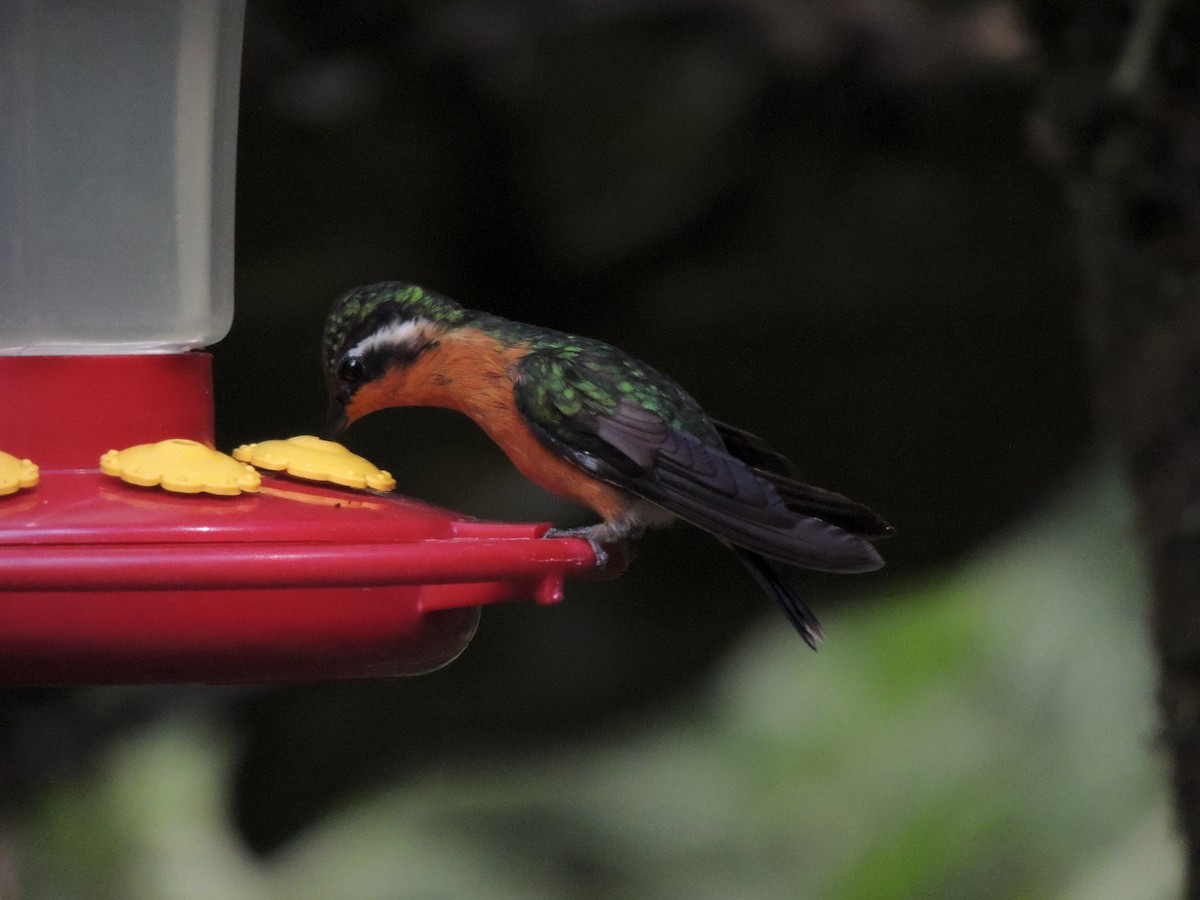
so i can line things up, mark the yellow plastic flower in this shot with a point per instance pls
(16, 474)
(183, 466)
(316, 460)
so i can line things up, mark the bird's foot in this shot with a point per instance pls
(613, 549)
(588, 533)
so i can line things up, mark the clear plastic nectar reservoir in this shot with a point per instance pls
(117, 144)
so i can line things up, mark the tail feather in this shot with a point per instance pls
(771, 465)
(801, 617)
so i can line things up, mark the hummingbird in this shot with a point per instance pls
(594, 425)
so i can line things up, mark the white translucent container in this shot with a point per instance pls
(118, 124)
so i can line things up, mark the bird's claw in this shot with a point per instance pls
(586, 534)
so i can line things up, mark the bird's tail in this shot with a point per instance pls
(797, 611)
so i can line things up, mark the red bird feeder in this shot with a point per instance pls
(118, 149)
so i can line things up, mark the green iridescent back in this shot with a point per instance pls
(564, 375)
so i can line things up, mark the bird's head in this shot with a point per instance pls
(374, 336)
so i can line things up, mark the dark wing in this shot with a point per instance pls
(619, 439)
(803, 498)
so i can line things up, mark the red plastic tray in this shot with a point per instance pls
(102, 581)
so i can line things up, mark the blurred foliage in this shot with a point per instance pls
(986, 732)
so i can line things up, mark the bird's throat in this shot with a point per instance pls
(466, 370)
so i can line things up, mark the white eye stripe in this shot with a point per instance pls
(407, 335)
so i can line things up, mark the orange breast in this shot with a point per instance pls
(469, 372)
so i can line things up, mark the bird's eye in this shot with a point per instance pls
(351, 370)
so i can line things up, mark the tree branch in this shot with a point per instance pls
(1119, 115)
